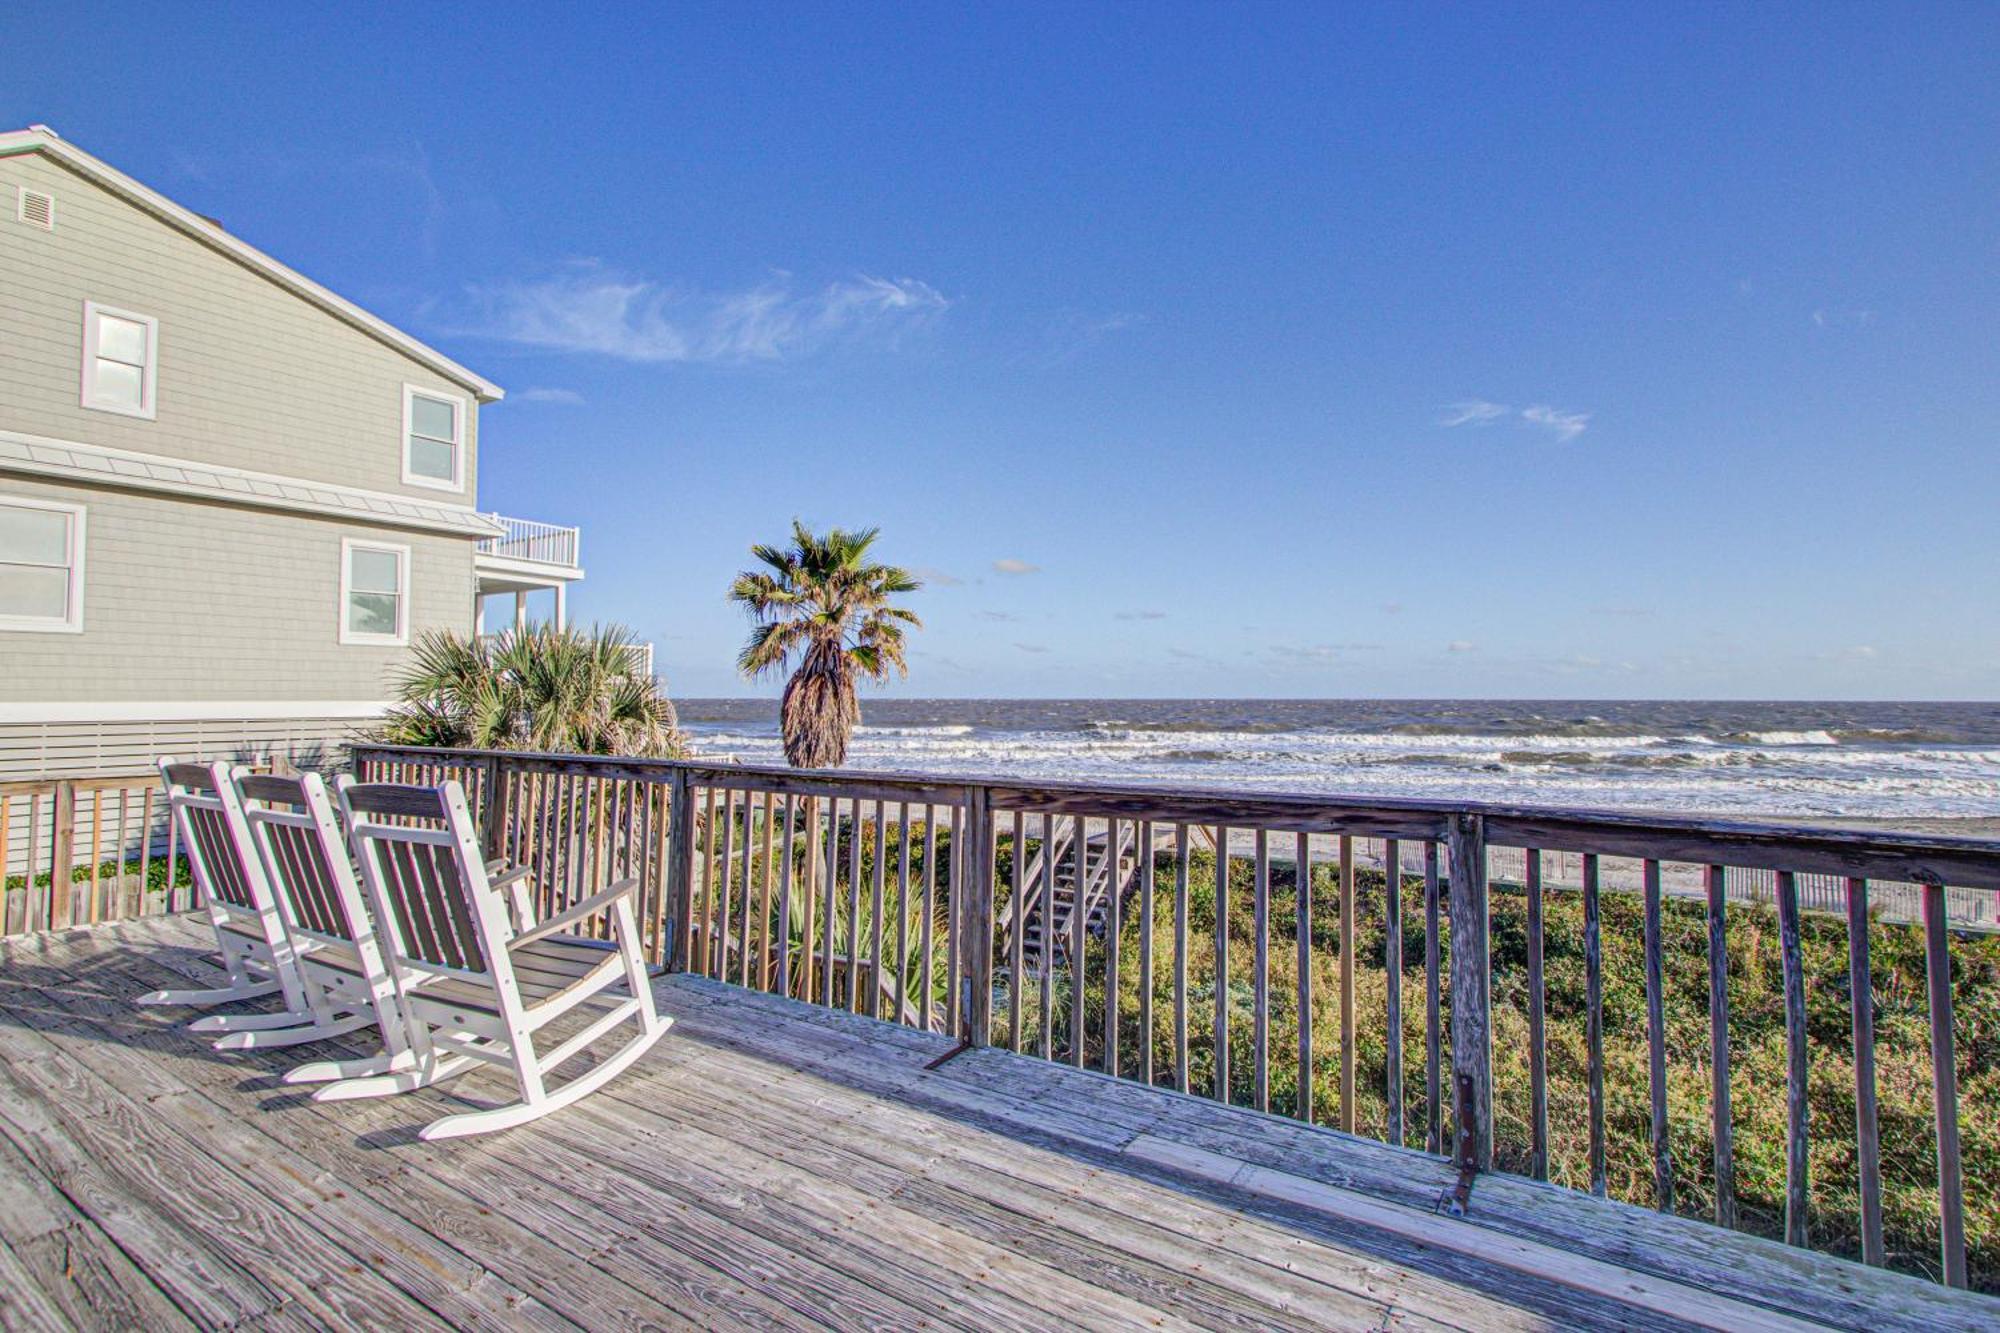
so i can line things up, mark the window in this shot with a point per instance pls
(41, 566)
(374, 593)
(120, 354)
(433, 439)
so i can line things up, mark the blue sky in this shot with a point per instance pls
(1208, 351)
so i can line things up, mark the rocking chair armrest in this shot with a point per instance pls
(589, 907)
(514, 884)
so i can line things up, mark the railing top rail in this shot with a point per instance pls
(1966, 862)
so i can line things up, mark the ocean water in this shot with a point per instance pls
(1851, 760)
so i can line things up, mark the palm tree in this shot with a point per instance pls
(568, 691)
(823, 604)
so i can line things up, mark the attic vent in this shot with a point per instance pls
(37, 209)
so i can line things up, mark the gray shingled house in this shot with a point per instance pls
(229, 498)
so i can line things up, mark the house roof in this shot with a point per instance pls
(41, 139)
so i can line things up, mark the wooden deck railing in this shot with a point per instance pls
(898, 896)
(77, 851)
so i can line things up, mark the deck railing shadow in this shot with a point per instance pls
(1492, 1012)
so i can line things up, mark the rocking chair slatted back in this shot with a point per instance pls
(413, 863)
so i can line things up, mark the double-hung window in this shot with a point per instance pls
(374, 593)
(41, 566)
(433, 439)
(121, 353)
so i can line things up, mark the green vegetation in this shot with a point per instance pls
(561, 691)
(1756, 1035)
(1756, 1032)
(109, 871)
(823, 604)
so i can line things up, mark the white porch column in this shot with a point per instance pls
(562, 617)
(520, 611)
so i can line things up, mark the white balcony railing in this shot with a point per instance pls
(524, 539)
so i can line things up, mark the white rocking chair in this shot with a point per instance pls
(479, 979)
(342, 974)
(257, 950)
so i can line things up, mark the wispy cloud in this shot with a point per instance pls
(1003, 617)
(1566, 426)
(590, 308)
(1848, 319)
(1461, 646)
(1009, 565)
(1032, 647)
(1139, 615)
(1392, 608)
(1472, 412)
(560, 397)
(1072, 332)
(1320, 652)
(937, 578)
(1189, 655)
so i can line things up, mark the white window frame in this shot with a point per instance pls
(149, 392)
(72, 621)
(460, 412)
(401, 638)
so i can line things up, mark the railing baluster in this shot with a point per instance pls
(1222, 964)
(1797, 1157)
(784, 922)
(1114, 926)
(1347, 1043)
(1049, 937)
(1538, 1063)
(954, 921)
(1593, 1021)
(1433, 1003)
(832, 899)
(1017, 909)
(1302, 929)
(901, 999)
(1944, 1082)
(1144, 847)
(1079, 925)
(765, 953)
(855, 835)
(1260, 978)
(722, 901)
(1656, 1041)
(1181, 853)
(1392, 967)
(1718, 1047)
(878, 882)
(1867, 1138)
(749, 886)
(930, 911)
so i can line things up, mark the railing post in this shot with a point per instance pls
(976, 917)
(62, 855)
(1471, 992)
(680, 873)
(493, 807)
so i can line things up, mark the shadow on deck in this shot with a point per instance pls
(771, 1164)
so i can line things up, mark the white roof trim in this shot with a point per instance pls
(254, 710)
(95, 465)
(41, 139)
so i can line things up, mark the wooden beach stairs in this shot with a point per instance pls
(774, 1164)
(1047, 922)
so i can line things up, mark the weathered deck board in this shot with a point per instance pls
(768, 1165)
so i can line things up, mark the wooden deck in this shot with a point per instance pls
(770, 1164)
